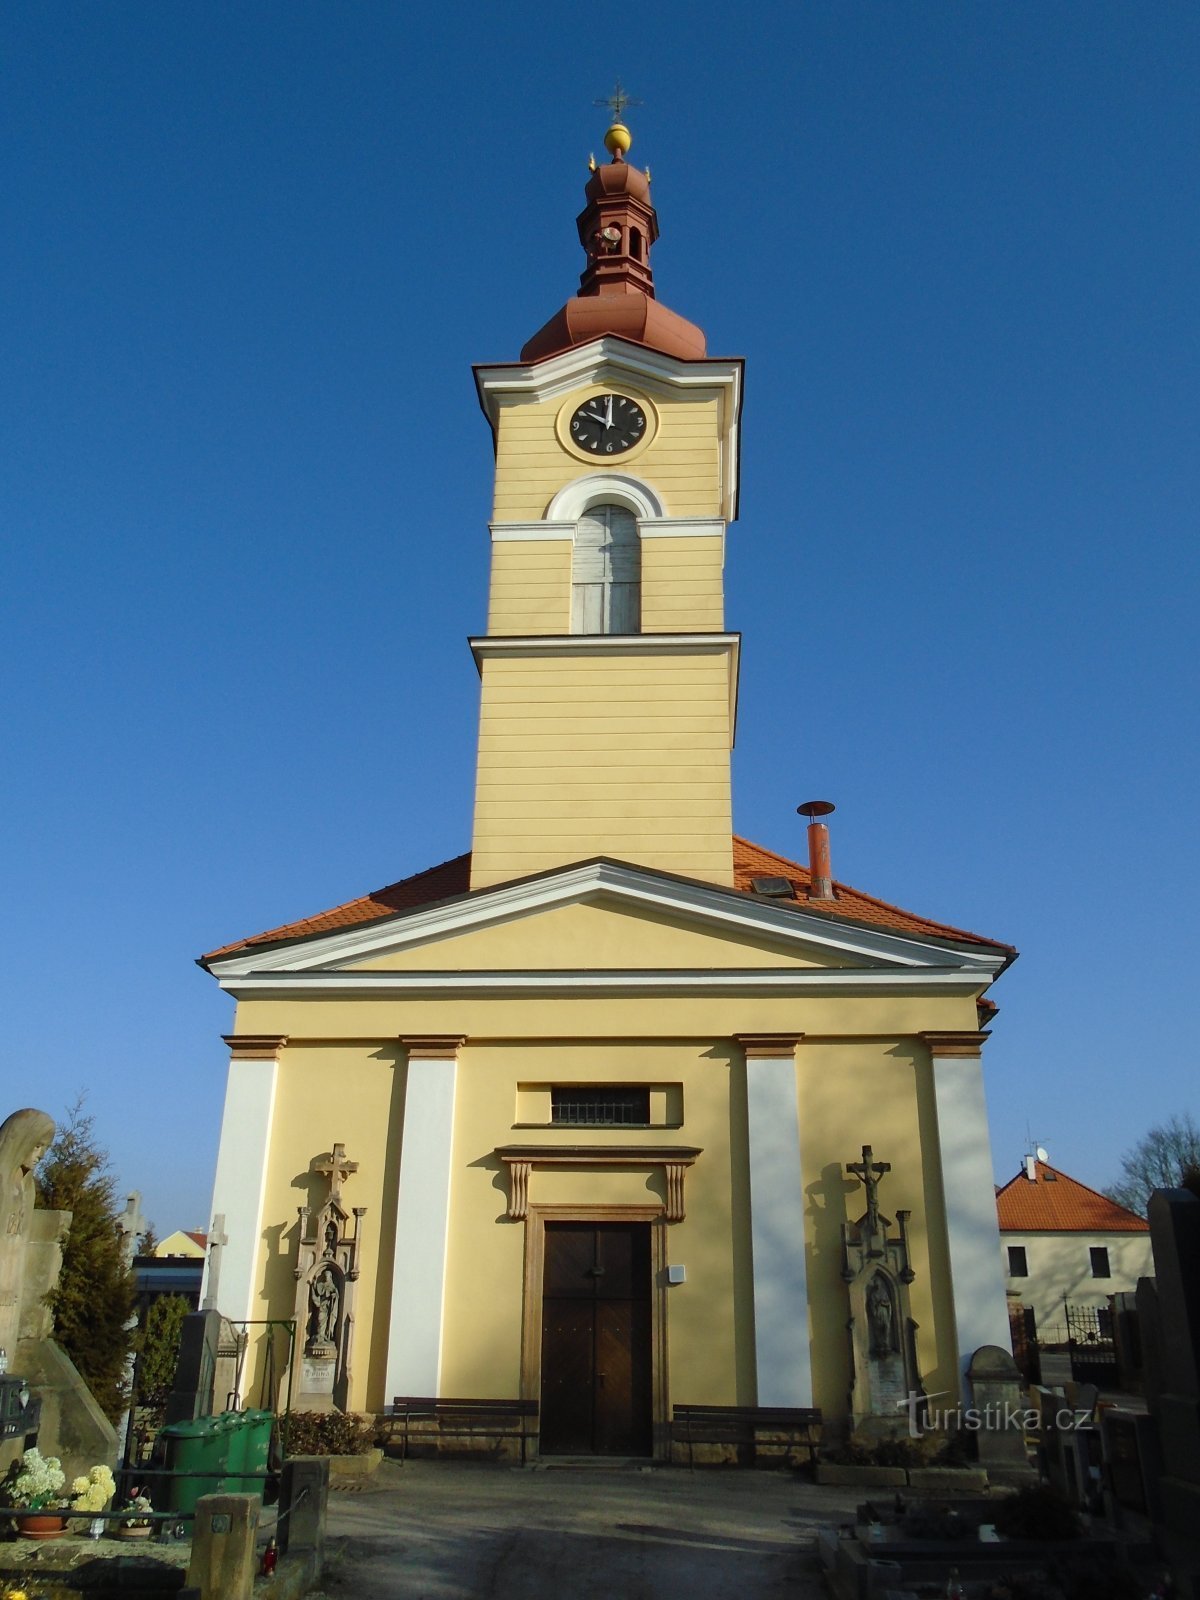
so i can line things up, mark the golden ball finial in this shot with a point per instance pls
(617, 141)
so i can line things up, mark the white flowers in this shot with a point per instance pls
(93, 1492)
(38, 1482)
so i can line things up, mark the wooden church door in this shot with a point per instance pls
(596, 1339)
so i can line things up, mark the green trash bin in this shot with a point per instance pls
(197, 1459)
(249, 1448)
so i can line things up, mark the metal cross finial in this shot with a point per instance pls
(617, 101)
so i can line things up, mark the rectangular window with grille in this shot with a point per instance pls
(1018, 1267)
(584, 1106)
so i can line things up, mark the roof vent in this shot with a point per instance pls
(820, 878)
(778, 888)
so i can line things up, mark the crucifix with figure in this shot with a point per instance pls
(870, 1171)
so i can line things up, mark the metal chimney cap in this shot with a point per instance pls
(816, 808)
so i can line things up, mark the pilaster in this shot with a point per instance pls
(241, 1178)
(969, 1196)
(422, 1217)
(782, 1343)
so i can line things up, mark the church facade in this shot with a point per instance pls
(575, 1112)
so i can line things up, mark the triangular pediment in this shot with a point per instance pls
(606, 919)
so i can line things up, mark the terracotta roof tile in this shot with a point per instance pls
(442, 882)
(452, 878)
(1053, 1203)
(753, 861)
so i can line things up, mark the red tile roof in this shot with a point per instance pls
(1053, 1203)
(750, 861)
(200, 1239)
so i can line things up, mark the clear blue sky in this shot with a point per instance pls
(250, 252)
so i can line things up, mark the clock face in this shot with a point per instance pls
(608, 424)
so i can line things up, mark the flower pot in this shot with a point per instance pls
(41, 1525)
(125, 1532)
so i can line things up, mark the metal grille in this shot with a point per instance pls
(604, 1108)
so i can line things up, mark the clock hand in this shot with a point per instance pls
(608, 418)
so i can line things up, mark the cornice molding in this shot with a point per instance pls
(522, 1159)
(254, 1046)
(764, 1046)
(943, 1042)
(432, 1046)
(622, 884)
(811, 981)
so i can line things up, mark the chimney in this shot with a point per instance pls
(1031, 1168)
(820, 885)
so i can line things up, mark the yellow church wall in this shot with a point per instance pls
(539, 1017)
(618, 728)
(683, 587)
(325, 1093)
(710, 1318)
(593, 936)
(681, 459)
(876, 1092)
(530, 589)
(866, 1090)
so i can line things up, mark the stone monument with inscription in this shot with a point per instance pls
(329, 1239)
(882, 1333)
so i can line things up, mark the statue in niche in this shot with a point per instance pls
(881, 1332)
(882, 1316)
(326, 1270)
(325, 1302)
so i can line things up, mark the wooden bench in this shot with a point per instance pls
(792, 1426)
(466, 1419)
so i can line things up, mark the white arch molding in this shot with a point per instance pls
(604, 488)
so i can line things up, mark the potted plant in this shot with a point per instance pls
(34, 1485)
(90, 1493)
(135, 1523)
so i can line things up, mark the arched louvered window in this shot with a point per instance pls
(606, 572)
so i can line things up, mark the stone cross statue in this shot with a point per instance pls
(337, 1169)
(217, 1240)
(870, 1171)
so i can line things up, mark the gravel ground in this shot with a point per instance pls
(461, 1531)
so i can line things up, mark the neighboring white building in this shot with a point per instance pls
(1064, 1244)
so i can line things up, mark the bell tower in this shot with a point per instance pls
(608, 680)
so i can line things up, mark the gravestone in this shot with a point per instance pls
(885, 1383)
(995, 1381)
(328, 1242)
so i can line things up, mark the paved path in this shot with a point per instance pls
(458, 1531)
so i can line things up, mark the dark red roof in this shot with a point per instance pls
(453, 878)
(1053, 1203)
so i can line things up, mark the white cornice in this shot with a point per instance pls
(807, 981)
(531, 530)
(543, 380)
(617, 883)
(561, 645)
(590, 644)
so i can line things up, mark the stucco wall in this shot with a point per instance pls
(1060, 1269)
